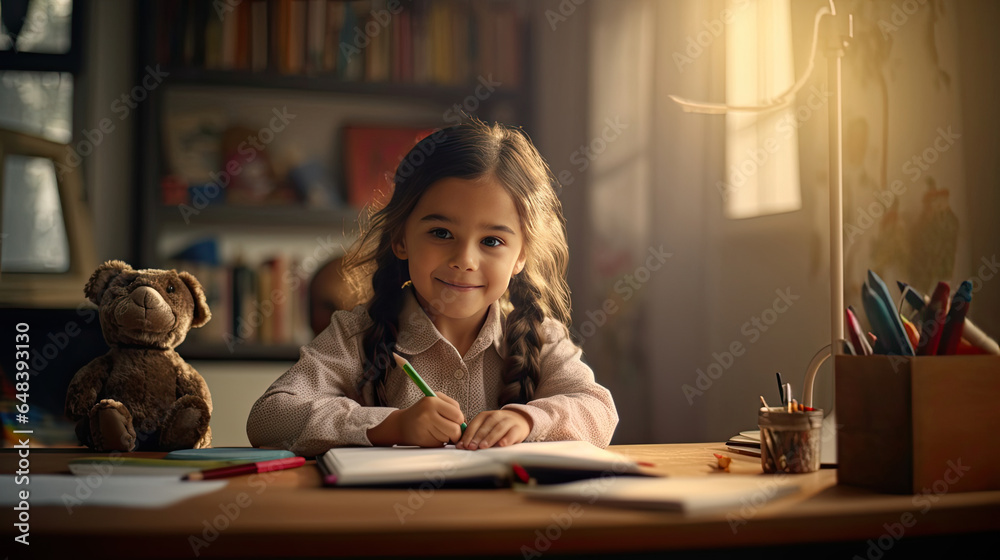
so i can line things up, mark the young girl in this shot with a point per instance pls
(467, 267)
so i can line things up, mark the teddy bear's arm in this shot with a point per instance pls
(81, 395)
(190, 382)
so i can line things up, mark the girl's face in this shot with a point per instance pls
(463, 242)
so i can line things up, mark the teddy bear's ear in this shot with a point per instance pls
(201, 311)
(101, 279)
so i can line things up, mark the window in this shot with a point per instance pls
(42, 228)
(34, 232)
(762, 159)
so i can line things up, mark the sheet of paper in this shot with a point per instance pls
(689, 494)
(94, 490)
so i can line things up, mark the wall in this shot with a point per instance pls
(979, 78)
(234, 387)
(108, 73)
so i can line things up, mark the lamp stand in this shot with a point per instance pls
(838, 30)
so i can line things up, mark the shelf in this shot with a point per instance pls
(260, 216)
(453, 93)
(433, 62)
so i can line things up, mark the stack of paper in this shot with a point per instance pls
(747, 443)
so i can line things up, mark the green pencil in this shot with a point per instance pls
(419, 381)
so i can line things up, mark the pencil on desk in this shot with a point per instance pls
(248, 468)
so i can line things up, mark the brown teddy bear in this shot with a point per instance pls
(142, 395)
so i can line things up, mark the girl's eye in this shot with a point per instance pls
(441, 233)
(492, 242)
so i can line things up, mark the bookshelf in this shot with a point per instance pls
(244, 157)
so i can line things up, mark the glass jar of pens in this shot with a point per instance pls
(790, 435)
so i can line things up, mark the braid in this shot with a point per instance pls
(523, 335)
(380, 339)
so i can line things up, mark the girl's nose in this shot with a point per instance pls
(465, 257)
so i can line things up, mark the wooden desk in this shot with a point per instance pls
(288, 514)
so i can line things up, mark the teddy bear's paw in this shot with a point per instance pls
(111, 430)
(186, 424)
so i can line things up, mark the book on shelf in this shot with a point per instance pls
(258, 36)
(545, 462)
(263, 304)
(371, 155)
(265, 317)
(444, 42)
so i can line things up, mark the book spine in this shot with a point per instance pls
(260, 39)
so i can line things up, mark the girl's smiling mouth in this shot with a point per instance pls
(458, 287)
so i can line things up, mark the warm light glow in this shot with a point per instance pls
(762, 156)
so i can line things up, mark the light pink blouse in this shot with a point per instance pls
(316, 404)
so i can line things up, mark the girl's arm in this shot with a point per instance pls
(568, 403)
(316, 405)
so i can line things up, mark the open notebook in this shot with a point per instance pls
(545, 462)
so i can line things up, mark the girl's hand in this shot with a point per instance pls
(495, 427)
(431, 422)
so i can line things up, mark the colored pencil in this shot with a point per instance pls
(248, 468)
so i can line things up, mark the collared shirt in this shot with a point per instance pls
(317, 405)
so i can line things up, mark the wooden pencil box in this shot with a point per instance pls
(915, 425)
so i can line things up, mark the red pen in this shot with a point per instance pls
(248, 468)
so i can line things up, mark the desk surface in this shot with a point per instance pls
(288, 513)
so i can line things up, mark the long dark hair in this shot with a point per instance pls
(470, 151)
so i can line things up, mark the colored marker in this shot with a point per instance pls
(858, 341)
(880, 290)
(884, 320)
(932, 321)
(912, 334)
(248, 468)
(916, 300)
(415, 377)
(877, 347)
(955, 320)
